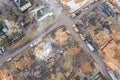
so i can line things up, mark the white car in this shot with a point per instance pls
(75, 28)
(82, 37)
(86, 8)
(9, 59)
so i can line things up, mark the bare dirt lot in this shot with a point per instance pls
(56, 56)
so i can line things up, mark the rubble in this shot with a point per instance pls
(5, 75)
(23, 62)
(74, 51)
(61, 36)
(52, 58)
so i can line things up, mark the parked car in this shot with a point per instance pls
(86, 8)
(84, 26)
(82, 37)
(78, 13)
(73, 16)
(9, 59)
(75, 28)
(2, 51)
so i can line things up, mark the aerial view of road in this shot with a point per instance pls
(61, 18)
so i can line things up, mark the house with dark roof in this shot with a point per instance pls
(23, 4)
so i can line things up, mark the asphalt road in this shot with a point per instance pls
(62, 20)
(98, 60)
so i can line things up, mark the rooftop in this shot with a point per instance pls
(21, 3)
(74, 5)
(41, 12)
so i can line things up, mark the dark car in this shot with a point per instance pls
(78, 13)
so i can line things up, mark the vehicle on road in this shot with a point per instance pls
(83, 26)
(89, 45)
(72, 16)
(75, 28)
(86, 8)
(9, 59)
(111, 73)
(2, 51)
(78, 13)
(82, 37)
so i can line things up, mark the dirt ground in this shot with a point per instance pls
(58, 56)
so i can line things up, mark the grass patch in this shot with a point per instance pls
(49, 21)
(4, 41)
(21, 42)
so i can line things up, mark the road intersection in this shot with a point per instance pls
(61, 20)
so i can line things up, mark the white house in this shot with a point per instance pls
(41, 12)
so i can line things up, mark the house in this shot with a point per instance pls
(74, 5)
(23, 4)
(41, 12)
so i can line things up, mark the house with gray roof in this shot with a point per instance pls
(23, 4)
